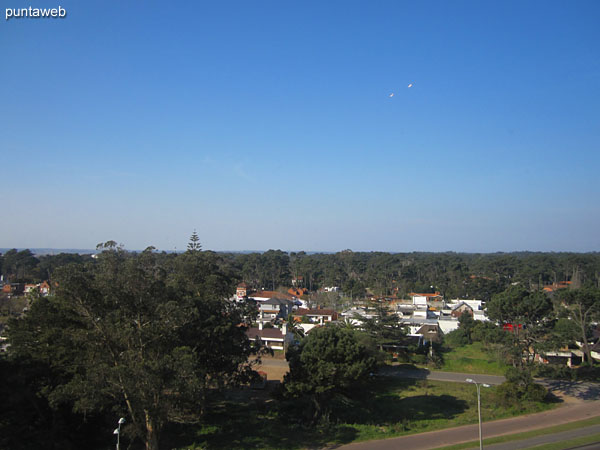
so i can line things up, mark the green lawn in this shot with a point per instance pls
(473, 358)
(393, 407)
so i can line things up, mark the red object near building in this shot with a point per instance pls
(511, 327)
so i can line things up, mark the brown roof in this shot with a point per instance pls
(428, 329)
(272, 333)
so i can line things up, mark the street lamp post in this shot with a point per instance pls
(478, 385)
(118, 431)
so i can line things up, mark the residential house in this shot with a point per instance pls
(460, 309)
(13, 289)
(430, 332)
(29, 288)
(275, 308)
(351, 315)
(448, 324)
(44, 288)
(241, 291)
(274, 338)
(261, 296)
(567, 357)
(319, 316)
(414, 324)
(454, 308)
(428, 297)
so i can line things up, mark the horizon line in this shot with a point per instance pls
(95, 251)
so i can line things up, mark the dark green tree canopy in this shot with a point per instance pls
(531, 315)
(139, 336)
(330, 361)
(518, 305)
(582, 306)
(384, 327)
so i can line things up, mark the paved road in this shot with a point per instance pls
(579, 390)
(568, 413)
(422, 374)
(593, 446)
(567, 390)
(547, 439)
(581, 401)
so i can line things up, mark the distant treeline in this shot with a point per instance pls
(461, 275)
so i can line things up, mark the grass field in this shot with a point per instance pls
(393, 407)
(473, 358)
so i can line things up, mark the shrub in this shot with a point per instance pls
(588, 373)
(457, 338)
(507, 394)
(535, 393)
(555, 372)
(418, 359)
(519, 386)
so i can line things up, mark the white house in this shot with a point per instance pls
(272, 337)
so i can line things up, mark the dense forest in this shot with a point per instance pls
(454, 275)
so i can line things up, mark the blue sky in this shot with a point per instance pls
(270, 125)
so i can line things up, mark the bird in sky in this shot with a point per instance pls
(410, 85)
(391, 95)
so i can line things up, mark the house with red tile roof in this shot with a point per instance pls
(44, 288)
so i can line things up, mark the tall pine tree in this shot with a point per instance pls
(194, 244)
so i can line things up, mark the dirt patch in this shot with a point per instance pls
(273, 373)
(275, 368)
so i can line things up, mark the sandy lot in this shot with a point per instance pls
(275, 368)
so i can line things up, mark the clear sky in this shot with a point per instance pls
(270, 125)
